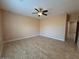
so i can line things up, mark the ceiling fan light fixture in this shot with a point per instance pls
(40, 13)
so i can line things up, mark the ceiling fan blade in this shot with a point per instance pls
(45, 11)
(45, 14)
(40, 9)
(36, 9)
(34, 13)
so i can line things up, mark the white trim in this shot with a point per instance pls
(51, 37)
(16, 39)
(19, 39)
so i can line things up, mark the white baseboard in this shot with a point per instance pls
(51, 37)
(19, 38)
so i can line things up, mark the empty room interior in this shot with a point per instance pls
(39, 29)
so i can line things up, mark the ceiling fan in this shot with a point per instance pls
(40, 12)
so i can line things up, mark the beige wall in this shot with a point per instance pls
(0, 33)
(0, 27)
(19, 27)
(53, 27)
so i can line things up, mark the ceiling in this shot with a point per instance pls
(26, 7)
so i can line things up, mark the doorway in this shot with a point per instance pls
(71, 31)
(77, 33)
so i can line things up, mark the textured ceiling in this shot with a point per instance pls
(26, 7)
